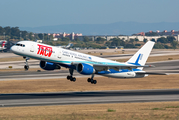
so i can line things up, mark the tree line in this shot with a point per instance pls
(12, 32)
(161, 43)
(15, 33)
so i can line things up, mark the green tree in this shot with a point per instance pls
(117, 42)
(100, 40)
(40, 35)
(136, 39)
(158, 46)
(108, 43)
(66, 39)
(86, 39)
(1, 30)
(174, 44)
(30, 36)
(171, 38)
(7, 30)
(132, 41)
(36, 37)
(15, 32)
(77, 39)
(24, 34)
(162, 40)
(129, 46)
(153, 39)
(145, 40)
(59, 39)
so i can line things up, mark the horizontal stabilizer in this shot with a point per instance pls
(150, 73)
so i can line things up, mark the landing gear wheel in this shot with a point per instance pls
(69, 77)
(73, 79)
(26, 67)
(89, 79)
(94, 81)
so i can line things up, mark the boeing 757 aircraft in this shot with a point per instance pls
(52, 58)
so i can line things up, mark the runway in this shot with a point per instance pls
(93, 97)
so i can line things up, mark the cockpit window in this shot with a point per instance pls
(22, 45)
(17, 44)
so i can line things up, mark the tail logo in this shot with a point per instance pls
(138, 58)
(3, 44)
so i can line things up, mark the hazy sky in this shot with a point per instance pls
(34, 13)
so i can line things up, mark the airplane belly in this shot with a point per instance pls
(122, 75)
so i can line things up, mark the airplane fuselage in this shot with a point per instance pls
(69, 59)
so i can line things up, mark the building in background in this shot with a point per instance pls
(140, 36)
(72, 36)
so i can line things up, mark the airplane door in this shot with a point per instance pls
(32, 48)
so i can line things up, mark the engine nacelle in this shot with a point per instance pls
(49, 66)
(85, 69)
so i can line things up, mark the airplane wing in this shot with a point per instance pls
(101, 67)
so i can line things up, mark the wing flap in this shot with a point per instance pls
(118, 67)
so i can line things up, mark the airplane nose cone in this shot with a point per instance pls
(12, 48)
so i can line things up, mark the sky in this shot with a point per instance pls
(36, 13)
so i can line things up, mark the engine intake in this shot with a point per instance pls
(85, 69)
(49, 66)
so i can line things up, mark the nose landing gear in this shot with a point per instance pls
(26, 66)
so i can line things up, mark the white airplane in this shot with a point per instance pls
(67, 46)
(3, 45)
(52, 58)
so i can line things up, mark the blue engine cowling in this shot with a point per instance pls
(85, 69)
(48, 65)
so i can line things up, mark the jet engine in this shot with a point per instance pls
(49, 66)
(85, 69)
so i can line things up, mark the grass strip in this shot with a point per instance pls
(119, 111)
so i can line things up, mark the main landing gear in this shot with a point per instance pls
(70, 77)
(91, 80)
(26, 66)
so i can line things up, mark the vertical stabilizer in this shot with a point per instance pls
(141, 56)
(3, 44)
